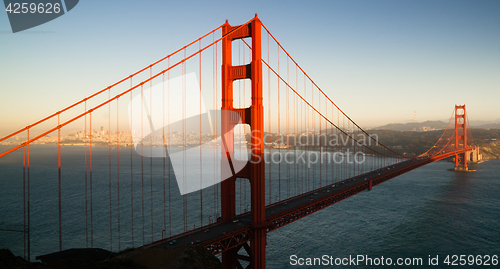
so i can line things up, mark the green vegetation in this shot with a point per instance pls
(415, 143)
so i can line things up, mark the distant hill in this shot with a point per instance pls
(430, 125)
(414, 126)
(488, 126)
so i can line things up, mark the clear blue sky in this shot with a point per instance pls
(378, 60)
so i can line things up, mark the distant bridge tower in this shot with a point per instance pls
(254, 171)
(460, 138)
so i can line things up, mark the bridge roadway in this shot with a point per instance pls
(221, 236)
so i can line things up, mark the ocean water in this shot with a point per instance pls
(426, 212)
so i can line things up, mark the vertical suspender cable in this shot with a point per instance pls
(118, 169)
(142, 162)
(287, 126)
(214, 131)
(356, 166)
(169, 162)
(201, 166)
(306, 172)
(239, 105)
(29, 198)
(279, 132)
(343, 149)
(332, 173)
(244, 105)
(151, 145)
(90, 170)
(313, 119)
(302, 126)
(164, 145)
(109, 173)
(326, 141)
(86, 202)
(295, 130)
(59, 178)
(216, 127)
(269, 121)
(184, 140)
(239, 94)
(24, 201)
(319, 141)
(132, 146)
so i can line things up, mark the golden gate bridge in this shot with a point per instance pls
(260, 107)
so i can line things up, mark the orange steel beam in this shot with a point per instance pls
(253, 116)
(460, 123)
